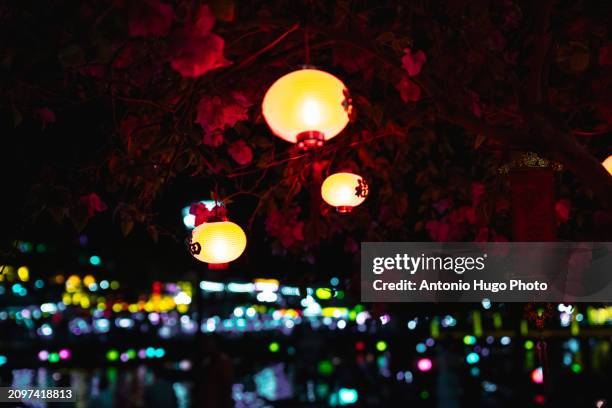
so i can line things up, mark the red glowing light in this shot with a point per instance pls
(539, 399)
(157, 287)
(537, 375)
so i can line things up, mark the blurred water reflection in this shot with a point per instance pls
(139, 386)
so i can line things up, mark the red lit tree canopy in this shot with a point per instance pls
(445, 93)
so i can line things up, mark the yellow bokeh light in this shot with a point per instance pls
(308, 100)
(217, 242)
(7, 271)
(599, 316)
(323, 293)
(344, 191)
(337, 312)
(608, 164)
(85, 302)
(166, 304)
(73, 283)
(292, 313)
(24, 273)
(88, 280)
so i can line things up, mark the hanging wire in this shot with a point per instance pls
(321, 152)
(306, 45)
(216, 208)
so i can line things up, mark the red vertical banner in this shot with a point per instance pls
(533, 204)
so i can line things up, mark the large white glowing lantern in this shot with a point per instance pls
(307, 107)
(344, 191)
(217, 243)
(608, 164)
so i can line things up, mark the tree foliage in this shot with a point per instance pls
(445, 93)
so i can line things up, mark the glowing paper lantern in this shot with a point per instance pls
(608, 164)
(217, 243)
(344, 191)
(307, 107)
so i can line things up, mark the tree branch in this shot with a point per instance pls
(559, 145)
(551, 141)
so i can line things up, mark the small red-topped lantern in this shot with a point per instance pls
(215, 240)
(344, 191)
(307, 107)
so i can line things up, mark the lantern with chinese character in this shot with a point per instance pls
(307, 107)
(217, 242)
(344, 191)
